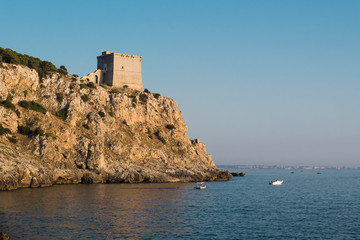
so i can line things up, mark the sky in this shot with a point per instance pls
(260, 82)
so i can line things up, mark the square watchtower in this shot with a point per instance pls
(120, 69)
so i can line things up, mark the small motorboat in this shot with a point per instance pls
(276, 182)
(200, 185)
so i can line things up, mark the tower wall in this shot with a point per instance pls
(105, 62)
(120, 69)
(127, 71)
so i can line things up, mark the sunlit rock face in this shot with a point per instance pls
(92, 134)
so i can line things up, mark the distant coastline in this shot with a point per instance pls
(286, 167)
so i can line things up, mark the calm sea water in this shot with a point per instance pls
(307, 206)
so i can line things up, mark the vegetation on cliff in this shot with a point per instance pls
(42, 67)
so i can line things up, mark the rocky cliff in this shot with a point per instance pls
(61, 130)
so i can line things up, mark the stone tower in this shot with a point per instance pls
(117, 70)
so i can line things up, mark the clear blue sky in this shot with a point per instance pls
(260, 82)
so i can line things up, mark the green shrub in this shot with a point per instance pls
(111, 114)
(4, 130)
(158, 135)
(143, 98)
(170, 126)
(91, 85)
(146, 90)
(82, 85)
(17, 112)
(46, 67)
(32, 106)
(37, 107)
(59, 97)
(25, 130)
(148, 131)
(133, 99)
(156, 95)
(62, 114)
(62, 70)
(86, 126)
(85, 97)
(9, 97)
(125, 86)
(75, 75)
(8, 104)
(115, 90)
(48, 134)
(12, 139)
(162, 140)
(24, 104)
(25, 93)
(101, 114)
(39, 131)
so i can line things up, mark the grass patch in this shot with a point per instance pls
(86, 126)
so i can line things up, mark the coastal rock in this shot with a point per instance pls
(238, 174)
(93, 134)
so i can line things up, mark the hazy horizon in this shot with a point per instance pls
(260, 82)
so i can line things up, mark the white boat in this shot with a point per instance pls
(200, 185)
(276, 182)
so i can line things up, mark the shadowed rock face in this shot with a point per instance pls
(93, 134)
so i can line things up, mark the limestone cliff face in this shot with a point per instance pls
(93, 134)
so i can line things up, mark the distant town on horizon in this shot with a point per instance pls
(286, 167)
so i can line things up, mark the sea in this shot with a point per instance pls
(309, 205)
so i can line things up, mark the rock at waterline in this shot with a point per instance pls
(240, 174)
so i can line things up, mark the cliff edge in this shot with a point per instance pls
(61, 130)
